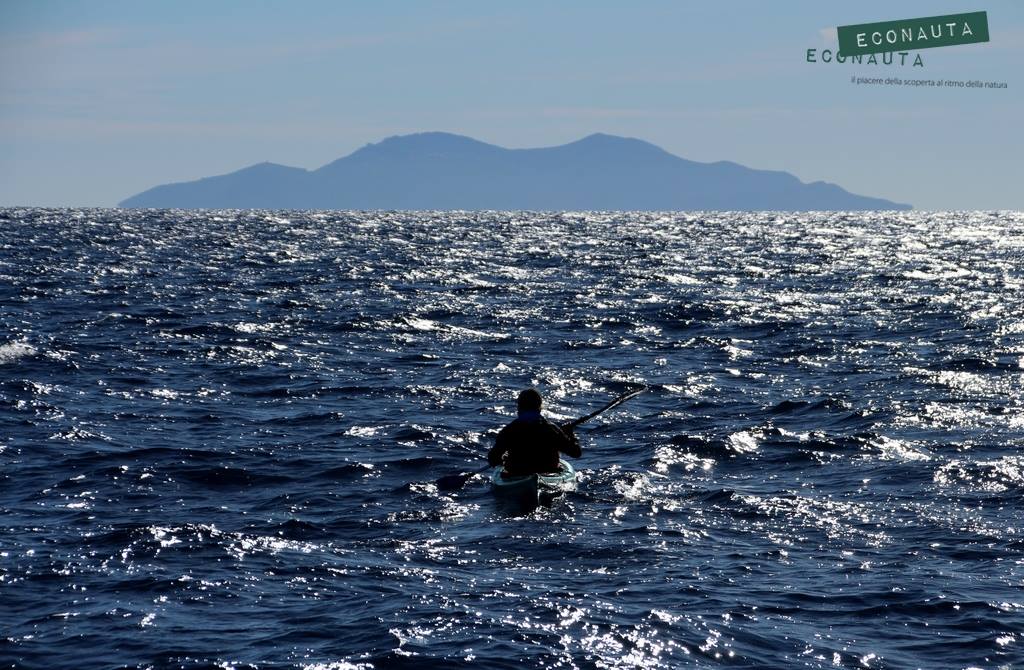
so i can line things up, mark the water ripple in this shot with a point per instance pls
(220, 431)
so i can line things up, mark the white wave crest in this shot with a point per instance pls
(14, 351)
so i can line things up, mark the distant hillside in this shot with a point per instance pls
(444, 171)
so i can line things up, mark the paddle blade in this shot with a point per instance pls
(454, 482)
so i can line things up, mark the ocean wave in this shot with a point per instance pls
(222, 433)
(12, 352)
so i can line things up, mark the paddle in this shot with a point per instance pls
(453, 482)
(614, 403)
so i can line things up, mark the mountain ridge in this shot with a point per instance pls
(437, 170)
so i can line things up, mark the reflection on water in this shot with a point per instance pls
(220, 431)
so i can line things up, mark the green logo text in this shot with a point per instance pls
(933, 31)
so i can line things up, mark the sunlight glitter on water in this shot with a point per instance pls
(229, 425)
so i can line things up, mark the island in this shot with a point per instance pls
(443, 171)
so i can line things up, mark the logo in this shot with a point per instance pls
(888, 58)
(912, 34)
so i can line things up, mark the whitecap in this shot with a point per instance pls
(15, 351)
(363, 431)
(743, 442)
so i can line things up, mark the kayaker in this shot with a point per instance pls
(531, 443)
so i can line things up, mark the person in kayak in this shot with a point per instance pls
(531, 443)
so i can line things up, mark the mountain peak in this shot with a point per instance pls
(617, 146)
(605, 138)
(429, 141)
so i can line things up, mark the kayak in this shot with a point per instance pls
(534, 488)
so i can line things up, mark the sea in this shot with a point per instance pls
(221, 433)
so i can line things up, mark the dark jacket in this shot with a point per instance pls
(528, 446)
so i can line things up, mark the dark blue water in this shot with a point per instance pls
(219, 433)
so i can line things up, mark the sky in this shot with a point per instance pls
(101, 100)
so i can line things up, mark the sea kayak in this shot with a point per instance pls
(534, 488)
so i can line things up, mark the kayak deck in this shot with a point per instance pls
(536, 487)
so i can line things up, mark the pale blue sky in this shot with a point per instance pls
(100, 100)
